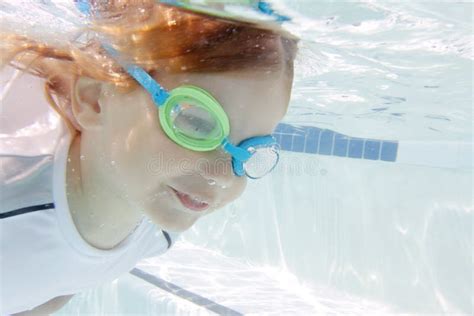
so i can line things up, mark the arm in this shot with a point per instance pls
(47, 308)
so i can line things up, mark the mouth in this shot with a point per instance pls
(191, 202)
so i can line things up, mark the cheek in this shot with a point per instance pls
(145, 159)
(137, 151)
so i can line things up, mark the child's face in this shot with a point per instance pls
(142, 165)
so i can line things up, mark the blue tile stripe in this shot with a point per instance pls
(313, 140)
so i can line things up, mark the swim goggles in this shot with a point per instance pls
(194, 119)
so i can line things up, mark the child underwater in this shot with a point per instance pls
(115, 142)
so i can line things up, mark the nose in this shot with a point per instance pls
(216, 168)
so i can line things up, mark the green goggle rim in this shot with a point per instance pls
(202, 98)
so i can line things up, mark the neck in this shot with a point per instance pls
(102, 218)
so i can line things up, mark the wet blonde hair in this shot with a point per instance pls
(156, 37)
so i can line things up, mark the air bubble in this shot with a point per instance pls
(112, 162)
(83, 157)
(211, 182)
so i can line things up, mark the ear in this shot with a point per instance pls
(86, 106)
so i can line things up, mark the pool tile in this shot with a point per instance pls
(286, 142)
(389, 151)
(312, 140)
(371, 149)
(326, 142)
(356, 146)
(341, 143)
(315, 140)
(298, 143)
(277, 138)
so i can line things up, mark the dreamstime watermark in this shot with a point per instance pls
(294, 166)
(161, 165)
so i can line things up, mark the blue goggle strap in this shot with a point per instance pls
(157, 92)
(241, 153)
(266, 8)
(236, 152)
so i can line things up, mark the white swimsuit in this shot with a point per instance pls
(42, 255)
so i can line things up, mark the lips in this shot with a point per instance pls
(190, 202)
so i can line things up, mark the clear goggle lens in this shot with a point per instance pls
(263, 160)
(195, 122)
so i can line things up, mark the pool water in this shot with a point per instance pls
(330, 232)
